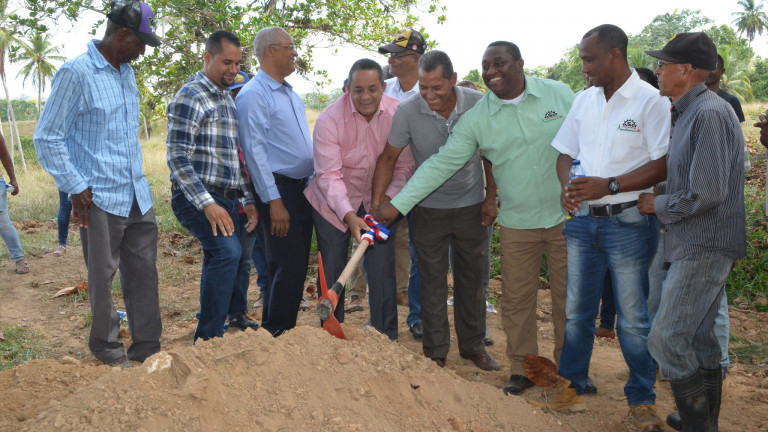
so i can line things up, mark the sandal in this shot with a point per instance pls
(22, 267)
(59, 251)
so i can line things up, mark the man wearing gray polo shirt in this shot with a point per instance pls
(456, 214)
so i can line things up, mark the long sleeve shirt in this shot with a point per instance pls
(346, 148)
(703, 204)
(87, 136)
(274, 133)
(202, 142)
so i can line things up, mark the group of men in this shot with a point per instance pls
(448, 158)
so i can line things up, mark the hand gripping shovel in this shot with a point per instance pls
(330, 297)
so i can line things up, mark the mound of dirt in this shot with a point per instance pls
(304, 380)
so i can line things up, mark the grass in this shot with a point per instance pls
(18, 345)
(746, 351)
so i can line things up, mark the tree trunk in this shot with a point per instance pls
(39, 94)
(146, 130)
(15, 127)
(10, 134)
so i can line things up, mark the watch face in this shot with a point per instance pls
(613, 185)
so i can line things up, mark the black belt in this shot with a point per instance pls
(230, 194)
(610, 209)
(285, 179)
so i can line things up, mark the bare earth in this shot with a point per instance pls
(305, 380)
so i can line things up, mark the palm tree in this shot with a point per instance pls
(735, 79)
(7, 40)
(752, 20)
(38, 54)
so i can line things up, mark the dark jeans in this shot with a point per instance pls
(287, 257)
(65, 210)
(223, 290)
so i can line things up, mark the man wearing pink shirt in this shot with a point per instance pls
(349, 136)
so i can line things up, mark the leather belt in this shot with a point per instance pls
(290, 180)
(610, 209)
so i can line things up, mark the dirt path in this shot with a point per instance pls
(304, 380)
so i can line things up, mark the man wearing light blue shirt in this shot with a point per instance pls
(274, 136)
(87, 139)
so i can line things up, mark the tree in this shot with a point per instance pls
(7, 42)
(568, 70)
(475, 77)
(637, 58)
(735, 80)
(656, 34)
(758, 76)
(38, 54)
(751, 20)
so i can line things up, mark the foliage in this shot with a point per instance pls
(475, 77)
(38, 54)
(735, 80)
(319, 101)
(758, 76)
(656, 34)
(637, 58)
(568, 70)
(18, 345)
(751, 20)
(24, 109)
(726, 36)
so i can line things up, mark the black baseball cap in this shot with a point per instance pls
(137, 16)
(695, 48)
(408, 39)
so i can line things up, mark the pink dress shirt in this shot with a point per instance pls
(346, 147)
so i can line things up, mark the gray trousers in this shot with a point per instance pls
(379, 265)
(130, 244)
(434, 230)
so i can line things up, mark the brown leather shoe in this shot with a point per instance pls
(402, 298)
(439, 361)
(355, 304)
(484, 361)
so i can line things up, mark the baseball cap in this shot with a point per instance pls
(695, 48)
(134, 15)
(240, 79)
(408, 39)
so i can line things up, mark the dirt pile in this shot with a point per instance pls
(305, 380)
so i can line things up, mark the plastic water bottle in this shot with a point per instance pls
(578, 171)
(9, 189)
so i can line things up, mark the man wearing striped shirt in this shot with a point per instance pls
(702, 208)
(207, 180)
(87, 139)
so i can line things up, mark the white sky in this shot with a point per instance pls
(542, 30)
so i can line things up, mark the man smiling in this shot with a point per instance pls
(450, 215)
(513, 125)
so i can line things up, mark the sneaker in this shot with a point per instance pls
(304, 305)
(605, 333)
(59, 251)
(355, 304)
(259, 302)
(560, 397)
(644, 418)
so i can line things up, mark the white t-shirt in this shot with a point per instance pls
(614, 137)
(393, 89)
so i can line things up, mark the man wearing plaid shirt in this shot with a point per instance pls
(207, 180)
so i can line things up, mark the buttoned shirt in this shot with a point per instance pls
(87, 136)
(424, 131)
(703, 205)
(274, 133)
(616, 136)
(202, 142)
(346, 148)
(394, 90)
(516, 139)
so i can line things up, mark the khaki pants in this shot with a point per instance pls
(521, 252)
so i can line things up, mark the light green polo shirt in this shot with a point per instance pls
(517, 140)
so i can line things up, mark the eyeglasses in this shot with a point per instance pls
(662, 63)
(290, 47)
(395, 57)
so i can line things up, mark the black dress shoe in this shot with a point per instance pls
(674, 421)
(487, 341)
(590, 387)
(439, 361)
(516, 385)
(418, 330)
(243, 322)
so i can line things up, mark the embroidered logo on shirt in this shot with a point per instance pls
(629, 125)
(551, 115)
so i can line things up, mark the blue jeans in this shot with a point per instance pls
(7, 231)
(617, 243)
(414, 301)
(223, 290)
(683, 337)
(62, 221)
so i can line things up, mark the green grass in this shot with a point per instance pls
(746, 351)
(19, 345)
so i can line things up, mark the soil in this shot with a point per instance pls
(304, 380)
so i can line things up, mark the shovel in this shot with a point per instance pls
(330, 297)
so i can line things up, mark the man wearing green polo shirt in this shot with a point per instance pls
(513, 125)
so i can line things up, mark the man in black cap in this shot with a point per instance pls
(704, 189)
(86, 139)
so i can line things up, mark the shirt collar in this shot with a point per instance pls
(271, 82)
(213, 88)
(687, 99)
(459, 109)
(352, 109)
(531, 89)
(96, 56)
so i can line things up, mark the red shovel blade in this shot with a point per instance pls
(331, 325)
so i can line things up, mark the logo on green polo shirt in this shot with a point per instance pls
(629, 125)
(551, 115)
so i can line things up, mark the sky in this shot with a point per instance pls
(544, 31)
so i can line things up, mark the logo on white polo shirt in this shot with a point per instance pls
(629, 125)
(551, 115)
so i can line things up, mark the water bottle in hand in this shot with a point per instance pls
(578, 171)
(9, 188)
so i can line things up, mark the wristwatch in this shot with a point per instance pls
(613, 185)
